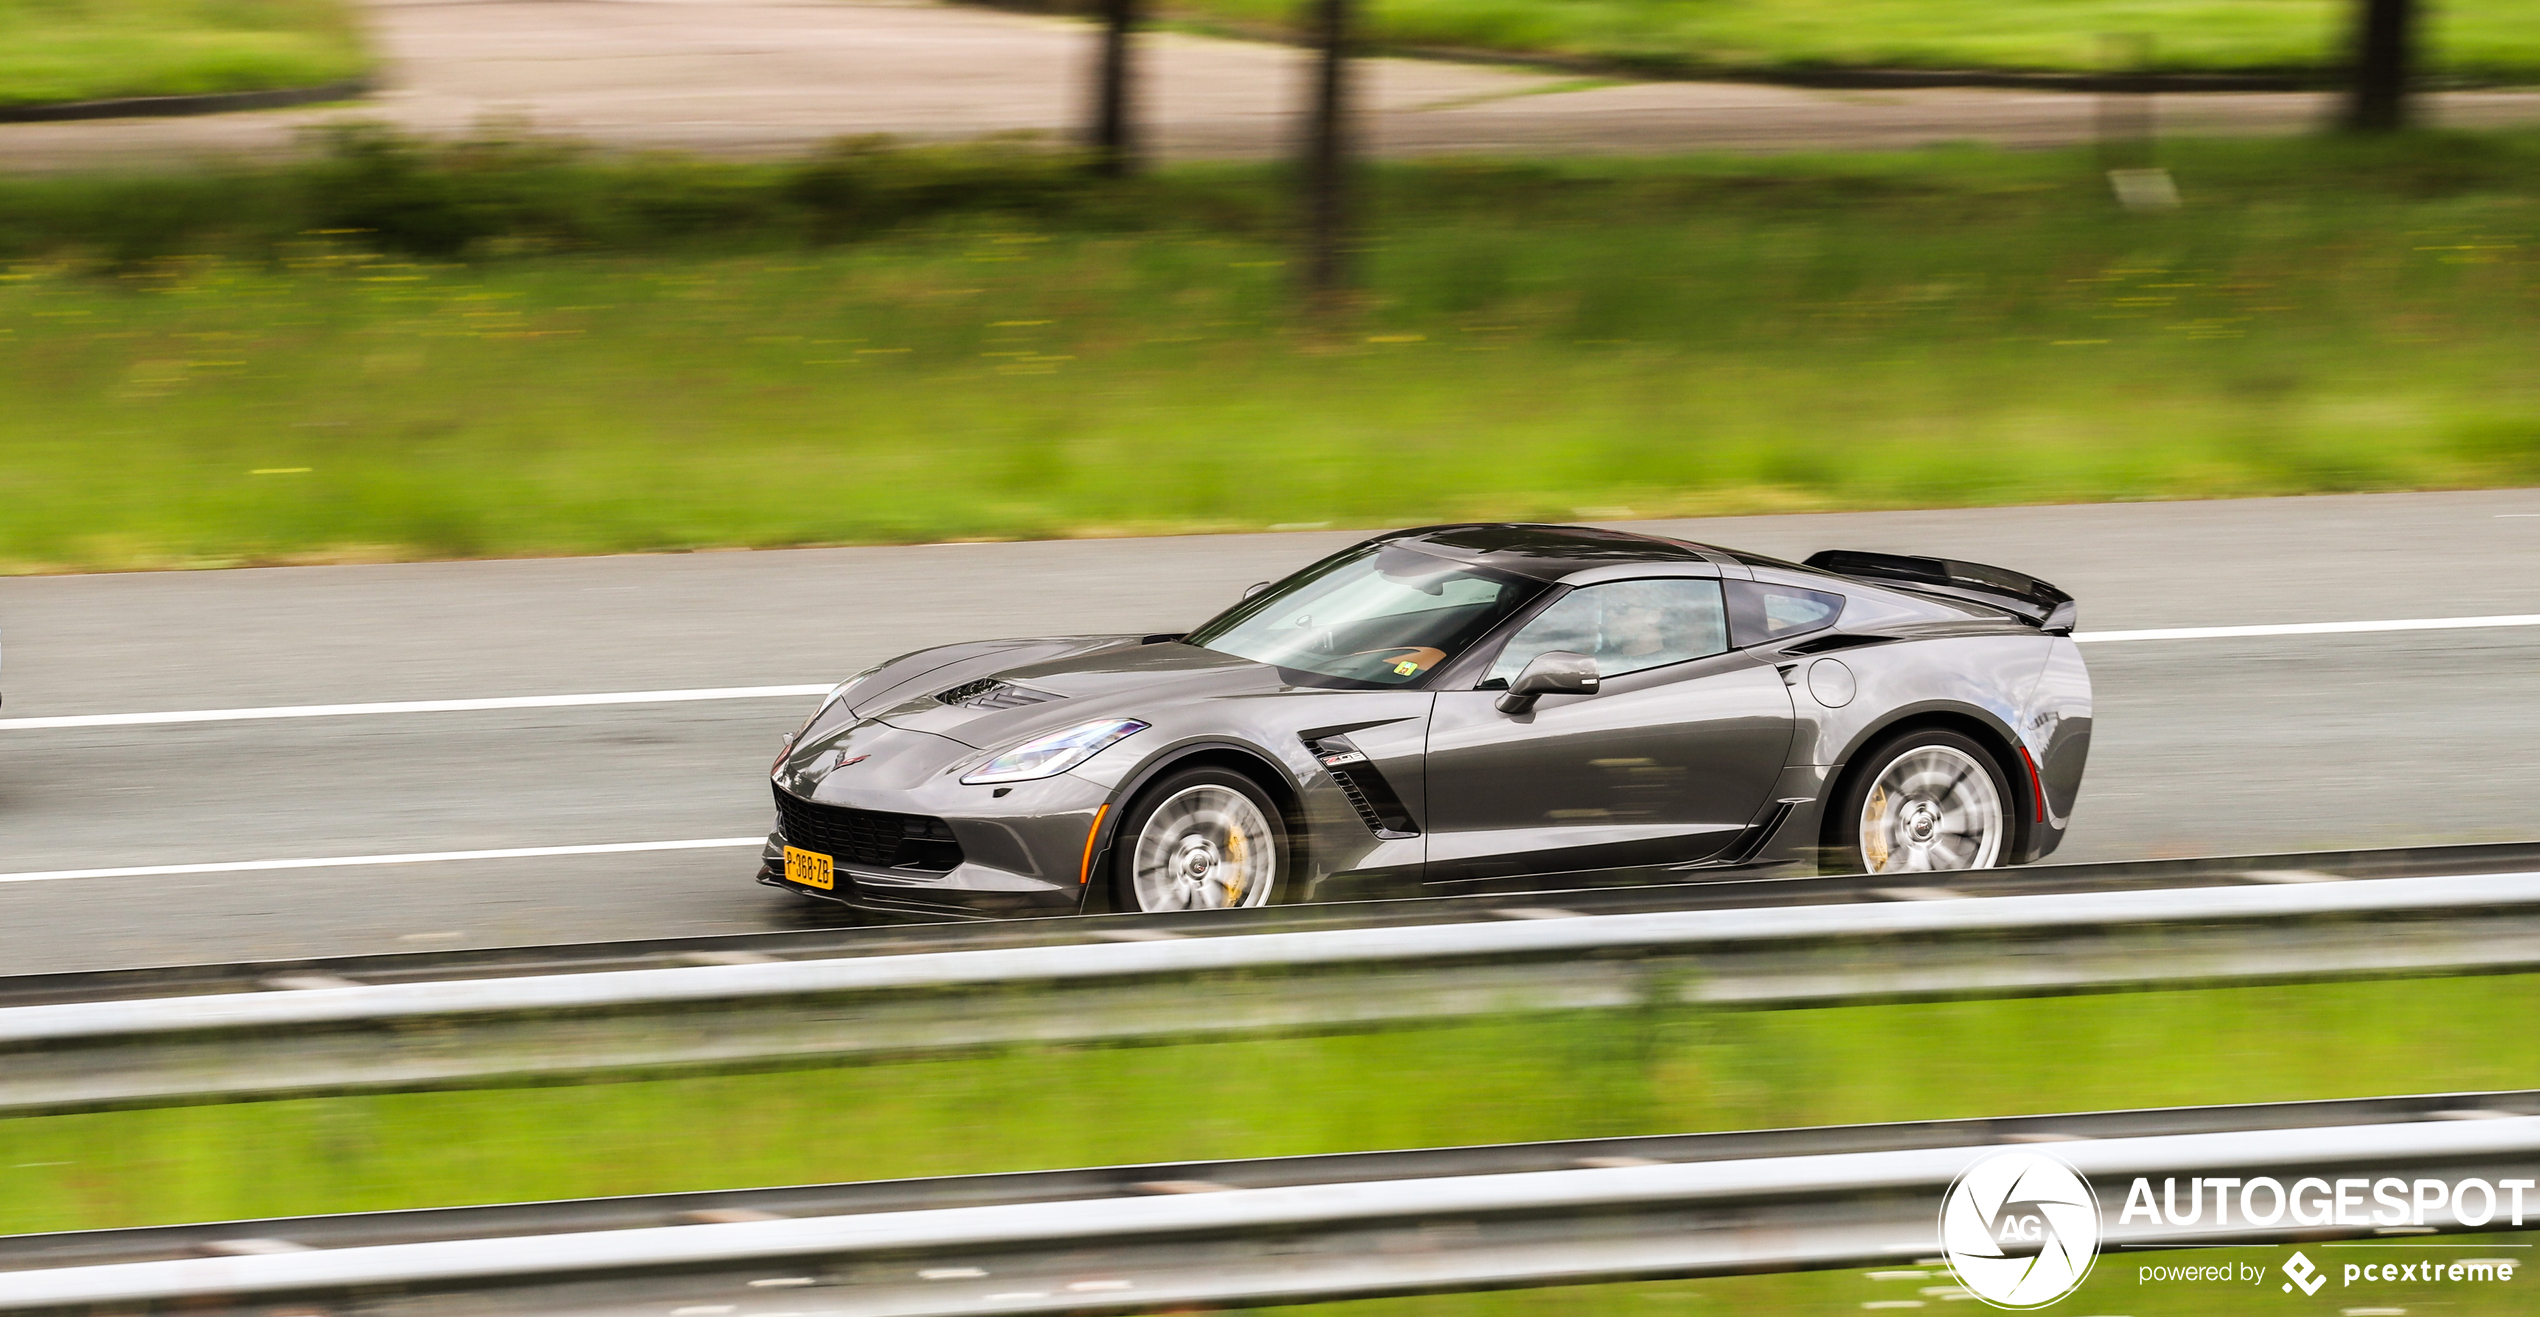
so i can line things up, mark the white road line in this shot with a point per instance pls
(354, 861)
(762, 692)
(786, 692)
(412, 706)
(2314, 628)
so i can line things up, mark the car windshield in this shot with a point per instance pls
(1383, 616)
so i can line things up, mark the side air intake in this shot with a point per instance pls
(1367, 790)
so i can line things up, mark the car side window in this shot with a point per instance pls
(1626, 626)
(1761, 612)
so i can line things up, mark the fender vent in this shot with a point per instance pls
(1366, 789)
(990, 693)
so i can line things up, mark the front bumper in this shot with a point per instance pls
(883, 894)
(967, 853)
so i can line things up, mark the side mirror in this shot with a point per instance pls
(1255, 588)
(1553, 672)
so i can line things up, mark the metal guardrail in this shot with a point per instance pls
(389, 1037)
(1282, 1230)
(833, 936)
(362, 1229)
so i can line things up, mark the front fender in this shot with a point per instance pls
(1285, 779)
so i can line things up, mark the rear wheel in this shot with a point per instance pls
(1205, 839)
(1928, 801)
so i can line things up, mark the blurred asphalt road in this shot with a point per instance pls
(2203, 746)
(770, 77)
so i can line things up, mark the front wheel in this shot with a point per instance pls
(1206, 839)
(1929, 801)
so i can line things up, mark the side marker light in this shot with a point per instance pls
(1085, 867)
(2036, 784)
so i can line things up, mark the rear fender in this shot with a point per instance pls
(1983, 686)
(2055, 729)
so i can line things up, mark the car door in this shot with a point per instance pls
(1665, 765)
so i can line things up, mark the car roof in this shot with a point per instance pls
(1548, 552)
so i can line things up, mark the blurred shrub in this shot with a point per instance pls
(433, 202)
(860, 185)
(501, 191)
(2510, 445)
(123, 220)
(510, 190)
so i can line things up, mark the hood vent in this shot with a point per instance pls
(990, 693)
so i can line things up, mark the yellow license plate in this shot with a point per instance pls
(811, 869)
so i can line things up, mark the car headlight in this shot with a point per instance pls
(1053, 754)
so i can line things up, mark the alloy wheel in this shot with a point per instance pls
(1932, 808)
(1205, 847)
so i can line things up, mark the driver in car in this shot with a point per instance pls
(1635, 628)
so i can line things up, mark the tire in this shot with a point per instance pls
(1201, 839)
(1928, 801)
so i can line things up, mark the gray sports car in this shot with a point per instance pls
(1452, 709)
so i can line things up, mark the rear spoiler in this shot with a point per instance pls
(2034, 601)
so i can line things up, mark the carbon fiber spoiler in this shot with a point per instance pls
(2034, 601)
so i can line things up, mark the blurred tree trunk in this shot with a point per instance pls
(2385, 51)
(1327, 153)
(1115, 142)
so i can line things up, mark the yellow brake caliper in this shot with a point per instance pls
(1235, 865)
(1874, 830)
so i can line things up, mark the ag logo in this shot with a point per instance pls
(2021, 1229)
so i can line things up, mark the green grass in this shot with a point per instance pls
(79, 50)
(2499, 40)
(1667, 337)
(2114, 1286)
(1554, 1077)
